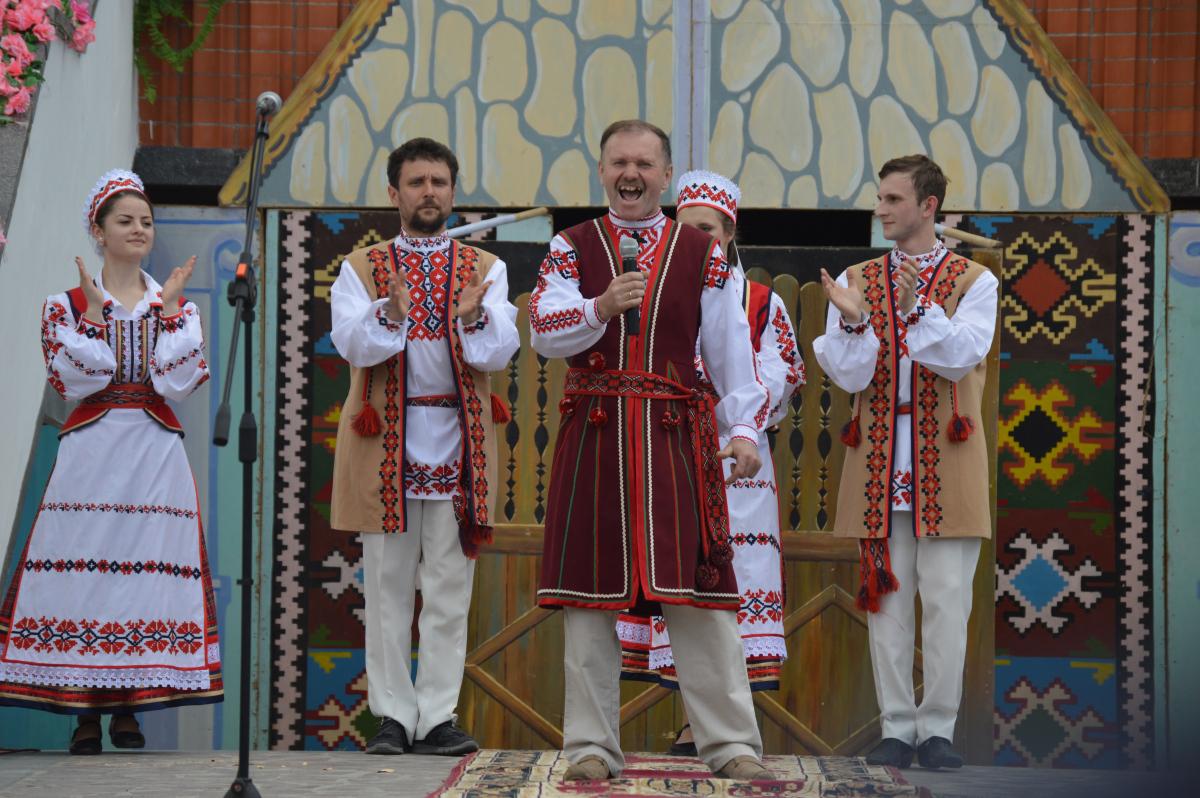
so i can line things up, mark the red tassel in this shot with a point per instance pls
(852, 433)
(707, 576)
(470, 538)
(721, 554)
(961, 428)
(367, 423)
(500, 412)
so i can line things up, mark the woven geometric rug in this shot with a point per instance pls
(539, 774)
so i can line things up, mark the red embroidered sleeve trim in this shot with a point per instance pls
(386, 323)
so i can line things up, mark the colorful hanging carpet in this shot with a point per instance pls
(539, 774)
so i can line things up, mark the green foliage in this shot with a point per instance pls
(148, 18)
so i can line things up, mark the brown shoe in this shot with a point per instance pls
(590, 768)
(744, 768)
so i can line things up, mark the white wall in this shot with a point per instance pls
(85, 123)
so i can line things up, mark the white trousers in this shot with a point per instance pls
(712, 678)
(392, 564)
(941, 570)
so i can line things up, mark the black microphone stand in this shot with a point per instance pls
(243, 294)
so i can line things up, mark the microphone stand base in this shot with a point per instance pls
(243, 788)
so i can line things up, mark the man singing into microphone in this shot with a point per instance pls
(636, 512)
(422, 320)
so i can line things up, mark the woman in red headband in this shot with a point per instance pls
(111, 607)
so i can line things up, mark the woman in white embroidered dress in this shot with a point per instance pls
(110, 608)
(708, 201)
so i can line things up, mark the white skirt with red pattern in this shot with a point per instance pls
(111, 604)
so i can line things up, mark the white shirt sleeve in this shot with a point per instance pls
(728, 354)
(362, 332)
(179, 365)
(780, 365)
(952, 347)
(562, 321)
(847, 356)
(79, 361)
(490, 342)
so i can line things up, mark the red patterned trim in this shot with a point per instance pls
(440, 400)
(564, 264)
(391, 497)
(424, 480)
(880, 400)
(93, 637)
(124, 509)
(122, 567)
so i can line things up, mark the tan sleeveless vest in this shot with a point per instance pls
(950, 478)
(368, 471)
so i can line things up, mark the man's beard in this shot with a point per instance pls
(426, 228)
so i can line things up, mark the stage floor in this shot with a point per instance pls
(284, 774)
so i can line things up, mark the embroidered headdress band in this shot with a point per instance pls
(110, 183)
(710, 189)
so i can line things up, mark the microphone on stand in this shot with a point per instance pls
(268, 103)
(629, 253)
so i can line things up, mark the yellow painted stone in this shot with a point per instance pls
(610, 92)
(349, 149)
(957, 59)
(998, 190)
(421, 119)
(606, 18)
(890, 134)
(727, 143)
(1041, 161)
(466, 144)
(306, 184)
(910, 66)
(512, 165)
(841, 153)
(761, 182)
(803, 193)
(950, 8)
(484, 11)
(551, 108)
(379, 78)
(517, 9)
(1077, 175)
(867, 196)
(987, 29)
(377, 182)
(951, 148)
(724, 9)
(424, 17)
(557, 6)
(818, 38)
(660, 71)
(997, 117)
(866, 44)
(569, 179)
(654, 11)
(749, 43)
(454, 43)
(394, 29)
(502, 58)
(780, 121)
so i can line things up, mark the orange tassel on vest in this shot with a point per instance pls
(500, 412)
(852, 433)
(367, 423)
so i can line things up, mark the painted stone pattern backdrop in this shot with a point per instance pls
(801, 100)
(1074, 565)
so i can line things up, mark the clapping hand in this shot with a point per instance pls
(399, 299)
(470, 301)
(172, 289)
(906, 285)
(95, 298)
(847, 299)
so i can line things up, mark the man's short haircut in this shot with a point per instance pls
(420, 149)
(636, 126)
(927, 176)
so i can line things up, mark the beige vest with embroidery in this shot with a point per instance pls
(950, 479)
(368, 472)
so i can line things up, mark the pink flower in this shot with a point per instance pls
(19, 102)
(14, 45)
(27, 14)
(7, 87)
(83, 36)
(12, 68)
(43, 30)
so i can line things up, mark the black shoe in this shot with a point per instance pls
(446, 739)
(891, 752)
(390, 739)
(127, 738)
(86, 746)
(936, 752)
(683, 749)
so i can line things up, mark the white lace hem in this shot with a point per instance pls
(633, 632)
(124, 678)
(774, 647)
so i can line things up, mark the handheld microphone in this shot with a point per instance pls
(268, 103)
(629, 253)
